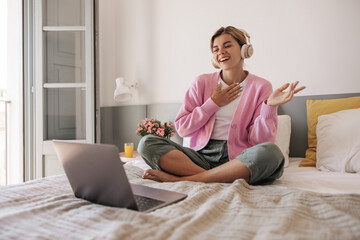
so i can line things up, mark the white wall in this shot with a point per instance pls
(164, 44)
(124, 47)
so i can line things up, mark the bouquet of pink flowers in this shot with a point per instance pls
(153, 126)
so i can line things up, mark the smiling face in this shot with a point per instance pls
(227, 52)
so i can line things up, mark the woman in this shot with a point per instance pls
(229, 119)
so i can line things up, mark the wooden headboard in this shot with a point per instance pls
(118, 124)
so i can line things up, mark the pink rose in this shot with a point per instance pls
(160, 132)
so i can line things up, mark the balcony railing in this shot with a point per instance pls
(4, 141)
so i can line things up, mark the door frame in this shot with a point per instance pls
(34, 142)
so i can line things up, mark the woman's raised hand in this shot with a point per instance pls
(279, 97)
(227, 95)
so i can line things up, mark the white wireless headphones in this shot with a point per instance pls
(247, 49)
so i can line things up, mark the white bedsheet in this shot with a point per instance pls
(305, 178)
(311, 179)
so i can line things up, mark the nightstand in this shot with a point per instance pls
(136, 156)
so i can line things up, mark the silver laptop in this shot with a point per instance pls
(96, 174)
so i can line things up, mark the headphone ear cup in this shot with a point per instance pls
(214, 63)
(246, 51)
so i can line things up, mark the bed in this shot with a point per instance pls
(304, 203)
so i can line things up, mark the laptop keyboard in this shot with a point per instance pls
(145, 203)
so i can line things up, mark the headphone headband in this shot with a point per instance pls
(245, 34)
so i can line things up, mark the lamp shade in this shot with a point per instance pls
(122, 93)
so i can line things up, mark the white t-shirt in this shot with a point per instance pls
(225, 114)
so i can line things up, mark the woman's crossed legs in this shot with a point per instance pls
(177, 166)
(171, 162)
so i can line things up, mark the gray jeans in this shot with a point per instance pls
(265, 161)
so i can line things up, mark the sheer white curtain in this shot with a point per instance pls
(11, 90)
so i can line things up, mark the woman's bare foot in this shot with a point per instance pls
(160, 176)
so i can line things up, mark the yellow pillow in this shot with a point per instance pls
(316, 108)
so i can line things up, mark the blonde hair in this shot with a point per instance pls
(237, 34)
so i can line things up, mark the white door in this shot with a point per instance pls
(64, 78)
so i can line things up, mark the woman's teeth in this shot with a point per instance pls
(224, 59)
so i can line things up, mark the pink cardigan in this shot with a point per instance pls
(254, 122)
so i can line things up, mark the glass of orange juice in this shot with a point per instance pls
(129, 149)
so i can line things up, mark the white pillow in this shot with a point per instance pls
(338, 141)
(282, 139)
